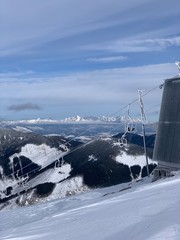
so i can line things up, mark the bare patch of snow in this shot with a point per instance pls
(22, 129)
(92, 158)
(42, 154)
(131, 160)
(69, 187)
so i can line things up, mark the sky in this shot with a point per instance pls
(65, 58)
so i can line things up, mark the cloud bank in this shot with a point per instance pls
(107, 59)
(45, 23)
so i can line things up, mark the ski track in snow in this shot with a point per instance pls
(148, 211)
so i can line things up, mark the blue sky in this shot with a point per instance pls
(63, 58)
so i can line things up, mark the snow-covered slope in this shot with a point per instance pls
(138, 211)
(42, 154)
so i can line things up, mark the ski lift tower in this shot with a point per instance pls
(167, 144)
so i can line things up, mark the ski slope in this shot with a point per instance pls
(42, 154)
(135, 211)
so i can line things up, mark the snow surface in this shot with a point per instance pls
(133, 160)
(22, 129)
(147, 211)
(92, 158)
(69, 187)
(41, 154)
(54, 175)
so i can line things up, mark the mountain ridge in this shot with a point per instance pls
(75, 119)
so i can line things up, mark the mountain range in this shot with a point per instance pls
(76, 126)
(76, 119)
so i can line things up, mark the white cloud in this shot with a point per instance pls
(18, 73)
(99, 92)
(137, 45)
(53, 35)
(27, 25)
(108, 85)
(107, 59)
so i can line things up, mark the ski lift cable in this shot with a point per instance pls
(150, 109)
(135, 100)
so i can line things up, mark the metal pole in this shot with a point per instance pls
(145, 150)
(143, 118)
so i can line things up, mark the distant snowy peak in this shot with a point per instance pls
(39, 120)
(89, 119)
(94, 119)
(75, 119)
(31, 121)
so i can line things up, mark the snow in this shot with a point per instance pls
(22, 129)
(31, 121)
(4, 183)
(132, 160)
(78, 119)
(41, 154)
(53, 135)
(92, 158)
(69, 187)
(147, 211)
(51, 175)
(82, 138)
(62, 189)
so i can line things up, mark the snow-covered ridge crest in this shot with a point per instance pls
(101, 119)
(30, 121)
(75, 119)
